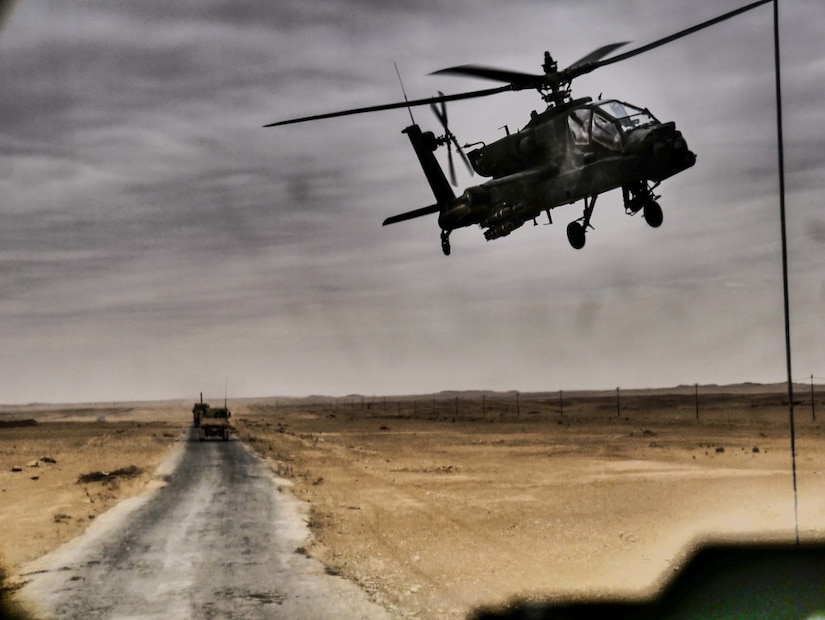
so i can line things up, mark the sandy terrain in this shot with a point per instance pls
(44, 504)
(438, 505)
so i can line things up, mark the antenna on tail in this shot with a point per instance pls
(400, 81)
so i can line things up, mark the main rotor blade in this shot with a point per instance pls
(678, 35)
(400, 104)
(517, 80)
(597, 54)
(491, 73)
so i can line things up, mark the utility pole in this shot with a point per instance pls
(696, 388)
(813, 410)
(783, 232)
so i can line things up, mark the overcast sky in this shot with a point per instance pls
(156, 241)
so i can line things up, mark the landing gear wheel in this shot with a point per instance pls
(575, 235)
(445, 242)
(653, 214)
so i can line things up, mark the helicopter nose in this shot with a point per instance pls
(669, 152)
(672, 152)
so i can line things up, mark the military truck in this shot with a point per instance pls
(197, 412)
(214, 422)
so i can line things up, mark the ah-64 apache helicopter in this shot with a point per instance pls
(574, 150)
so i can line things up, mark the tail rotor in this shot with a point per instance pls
(449, 139)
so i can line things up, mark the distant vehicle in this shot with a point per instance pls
(197, 412)
(214, 422)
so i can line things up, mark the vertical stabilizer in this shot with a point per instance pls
(425, 145)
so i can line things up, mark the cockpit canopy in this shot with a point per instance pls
(605, 122)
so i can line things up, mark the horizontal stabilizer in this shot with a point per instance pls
(409, 215)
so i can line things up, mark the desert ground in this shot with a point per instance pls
(438, 505)
(63, 466)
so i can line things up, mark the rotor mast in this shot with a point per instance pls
(559, 90)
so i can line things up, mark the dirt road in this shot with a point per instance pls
(218, 540)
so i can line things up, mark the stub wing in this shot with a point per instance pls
(409, 215)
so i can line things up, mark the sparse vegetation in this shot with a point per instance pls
(132, 471)
(17, 423)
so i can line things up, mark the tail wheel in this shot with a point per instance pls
(653, 214)
(445, 242)
(575, 235)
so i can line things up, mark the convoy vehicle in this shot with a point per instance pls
(214, 422)
(197, 412)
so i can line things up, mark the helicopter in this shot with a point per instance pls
(574, 150)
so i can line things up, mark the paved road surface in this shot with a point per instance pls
(218, 541)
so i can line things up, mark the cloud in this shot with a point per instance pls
(147, 214)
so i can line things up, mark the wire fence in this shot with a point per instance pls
(687, 401)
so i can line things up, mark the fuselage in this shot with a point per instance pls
(567, 153)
